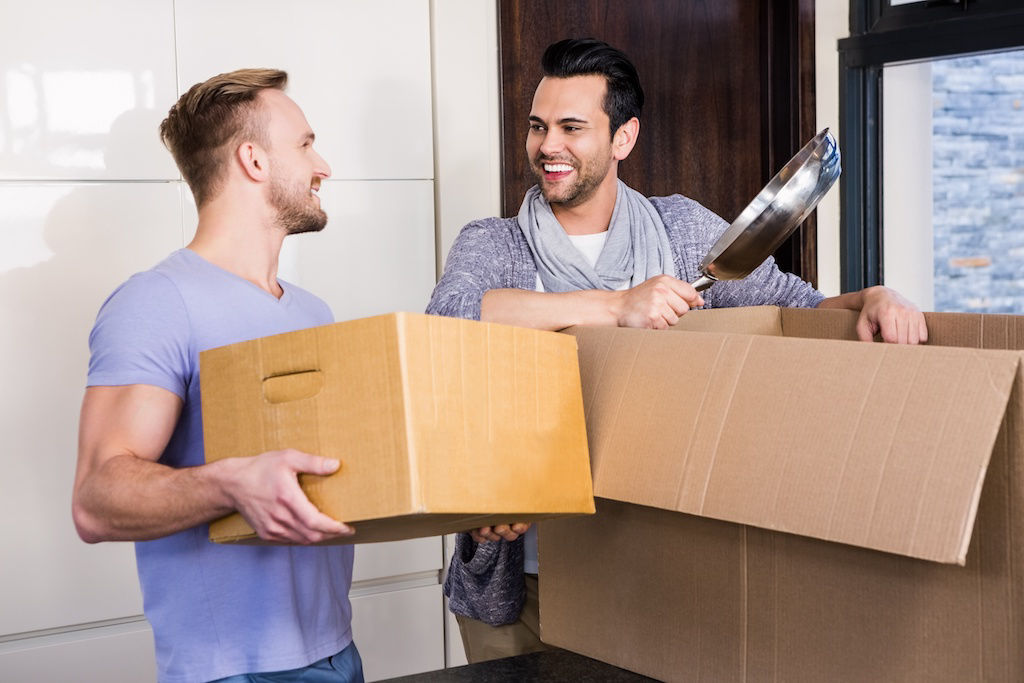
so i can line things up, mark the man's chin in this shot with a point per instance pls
(312, 225)
(552, 195)
(565, 200)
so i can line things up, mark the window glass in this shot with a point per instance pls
(953, 182)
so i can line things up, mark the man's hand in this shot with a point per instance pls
(657, 303)
(506, 532)
(265, 490)
(885, 311)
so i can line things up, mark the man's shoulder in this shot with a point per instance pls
(680, 213)
(492, 224)
(674, 204)
(151, 285)
(485, 234)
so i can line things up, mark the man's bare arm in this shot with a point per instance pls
(122, 493)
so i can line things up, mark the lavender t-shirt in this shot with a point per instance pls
(217, 610)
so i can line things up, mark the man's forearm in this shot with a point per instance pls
(131, 499)
(850, 300)
(549, 310)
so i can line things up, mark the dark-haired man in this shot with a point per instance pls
(587, 249)
(219, 612)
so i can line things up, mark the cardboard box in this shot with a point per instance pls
(780, 507)
(441, 425)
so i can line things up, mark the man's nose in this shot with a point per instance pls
(322, 168)
(552, 143)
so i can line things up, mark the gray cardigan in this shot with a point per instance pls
(485, 581)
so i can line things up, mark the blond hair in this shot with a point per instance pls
(207, 122)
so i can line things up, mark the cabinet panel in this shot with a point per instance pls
(380, 560)
(376, 254)
(359, 69)
(399, 632)
(69, 245)
(83, 94)
(117, 654)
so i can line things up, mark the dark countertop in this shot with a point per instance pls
(552, 665)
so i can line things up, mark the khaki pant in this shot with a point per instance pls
(483, 641)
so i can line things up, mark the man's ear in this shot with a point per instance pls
(625, 138)
(253, 160)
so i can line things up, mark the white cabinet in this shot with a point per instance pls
(399, 632)
(113, 654)
(84, 87)
(370, 258)
(74, 244)
(360, 69)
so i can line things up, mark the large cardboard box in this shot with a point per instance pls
(441, 425)
(788, 506)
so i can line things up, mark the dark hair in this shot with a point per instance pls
(584, 57)
(212, 114)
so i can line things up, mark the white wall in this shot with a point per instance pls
(831, 22)
(908, 244)
(89, 196)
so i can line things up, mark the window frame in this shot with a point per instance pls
(881, 34)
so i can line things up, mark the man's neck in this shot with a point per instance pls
(593, 215)
(242, 244)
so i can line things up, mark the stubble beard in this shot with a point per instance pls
(296, 213)
(588, 178)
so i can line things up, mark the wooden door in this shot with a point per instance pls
(728, 85)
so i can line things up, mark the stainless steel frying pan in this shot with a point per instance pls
(774, 213)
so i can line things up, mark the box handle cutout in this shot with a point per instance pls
(294, 386)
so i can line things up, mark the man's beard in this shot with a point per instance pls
(295, 210)
(588, 178)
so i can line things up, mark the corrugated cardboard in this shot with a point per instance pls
(441, 425)
(780, 507)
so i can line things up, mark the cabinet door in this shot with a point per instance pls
(84, 90)
(72, 244)
(116, 654)
(399, 632)
(360, 70)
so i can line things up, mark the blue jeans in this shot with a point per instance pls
(344, 667)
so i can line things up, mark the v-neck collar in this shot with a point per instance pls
(285, 288)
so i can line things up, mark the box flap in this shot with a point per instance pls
(874, 445)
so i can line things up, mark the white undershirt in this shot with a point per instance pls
(590, 246)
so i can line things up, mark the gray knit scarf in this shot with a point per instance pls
(636, 250)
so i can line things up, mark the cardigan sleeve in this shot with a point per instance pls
(479, 261)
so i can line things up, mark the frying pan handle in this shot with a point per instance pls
(703, 282)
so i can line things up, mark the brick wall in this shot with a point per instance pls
(978, 184)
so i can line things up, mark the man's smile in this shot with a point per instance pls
(556, 171)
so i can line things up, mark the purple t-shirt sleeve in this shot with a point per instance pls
(141, 336)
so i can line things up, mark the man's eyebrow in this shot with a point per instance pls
(562, 121)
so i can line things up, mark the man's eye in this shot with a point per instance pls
(536, 127)
(571, 129)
